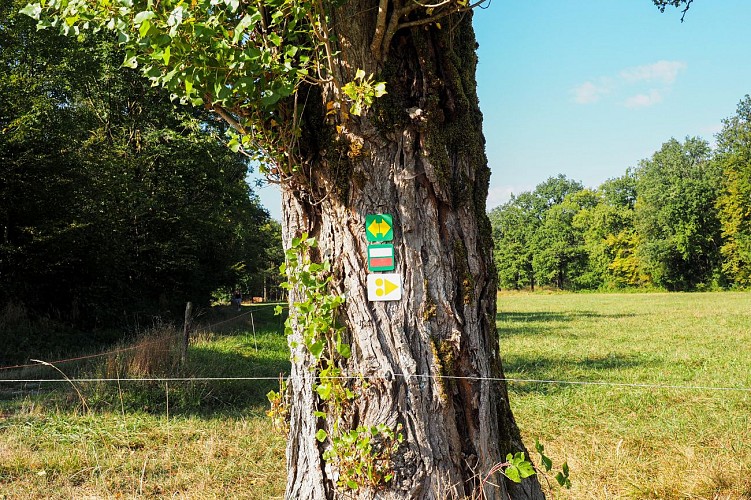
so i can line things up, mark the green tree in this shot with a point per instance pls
(734, 201)
(118, 204)
(515, 232)
(560, 257)
(514, 224)
(610, 237)
(298, 82)
(676, 218)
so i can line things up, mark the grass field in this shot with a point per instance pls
(153, 440)
(631, 442)
(213, 440)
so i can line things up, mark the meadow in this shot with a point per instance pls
(673, 425)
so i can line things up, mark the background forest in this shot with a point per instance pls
(679, 221)
(118, 205)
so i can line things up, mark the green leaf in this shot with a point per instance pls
(130, 60)
(546, 462)
(539, 447)
(526, 469)
(166, 55)
(512, 473)
(275, 39)
(352, 484)
(360, 74)
(380, 89)
(143, 16)
(321, 435)
(144, 29)
(344, 350)
(317, 348)
(32, 10)
(324, 391)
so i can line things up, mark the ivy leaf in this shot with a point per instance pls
(246, 22)
(130, 60)
(144, 29)
(546, 462)
(321, 435)
(324, 391)
(526, 469)
(275, 39)
(176, 17)
(143, 16)
(344, 350)
(512, 472)
(380, 89)
(33, 10)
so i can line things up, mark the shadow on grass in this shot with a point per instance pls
(216, 355)
(611, 368)
(228, 320)
(536, 323)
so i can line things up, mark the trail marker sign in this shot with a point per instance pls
(381, 257)
(382, 287)
(379, 227)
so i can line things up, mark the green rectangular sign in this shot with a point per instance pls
(381, 257)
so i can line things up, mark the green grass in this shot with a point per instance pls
(213, 439)
(627, 442)
(154, 440)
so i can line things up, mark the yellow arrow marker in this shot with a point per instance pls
(385, 287)
(377, 228)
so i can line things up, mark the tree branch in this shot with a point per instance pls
(227, 117)
(380, 28)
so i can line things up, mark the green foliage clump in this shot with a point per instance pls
(680, 221)
(361, 454)
(118, 205)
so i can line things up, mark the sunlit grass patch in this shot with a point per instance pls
(635, 442)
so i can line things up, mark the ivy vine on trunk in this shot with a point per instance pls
(298, 81)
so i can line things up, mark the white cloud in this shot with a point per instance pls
(665, 72)
(644, 100)
(662, 74)
(498, 195)
(588, 92)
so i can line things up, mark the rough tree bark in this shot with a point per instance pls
(417, 154)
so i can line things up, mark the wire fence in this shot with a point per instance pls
(406, 377)
(370, 378)
(132, 348)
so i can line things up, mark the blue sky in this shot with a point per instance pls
(587, 88)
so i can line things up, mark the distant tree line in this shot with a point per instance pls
(681, 220)
(116, 203)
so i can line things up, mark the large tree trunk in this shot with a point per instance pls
(418, 154)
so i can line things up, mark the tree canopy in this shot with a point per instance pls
(117, 203)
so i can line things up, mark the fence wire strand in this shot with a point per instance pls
(389, 378)
(406, 377)
(133, 348)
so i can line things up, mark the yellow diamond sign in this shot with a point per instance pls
(379, 227)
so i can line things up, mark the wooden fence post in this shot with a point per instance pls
(186, 333)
